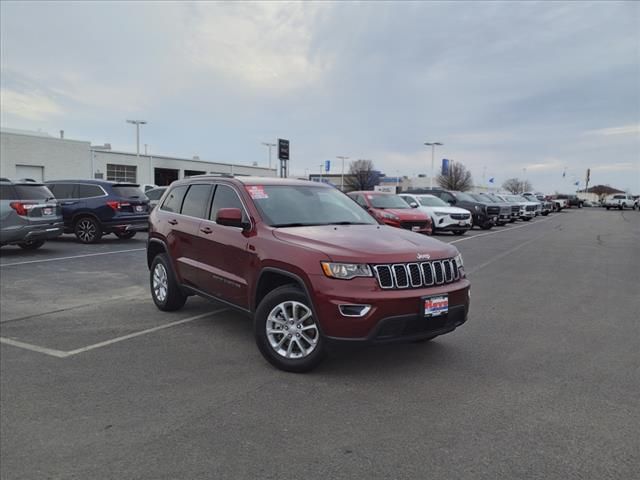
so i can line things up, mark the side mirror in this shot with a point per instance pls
(451, 201)
(230, 217)
(413, 205)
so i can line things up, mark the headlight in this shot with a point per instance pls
(390, 216)
(459, 262)
(346, 271)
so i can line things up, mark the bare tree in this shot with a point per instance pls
(515, 185)
(458, 178)
(362, 175)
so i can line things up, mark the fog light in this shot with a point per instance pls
(354, 310)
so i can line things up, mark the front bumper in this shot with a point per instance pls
(448, 224)
(394, 313)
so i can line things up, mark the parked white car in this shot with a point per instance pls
(444, 217)
(527, 209)
(620, 201)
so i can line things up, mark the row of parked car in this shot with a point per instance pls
(33, 212)
(436, 210)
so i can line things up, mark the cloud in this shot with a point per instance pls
(28, 105)
(633, 129)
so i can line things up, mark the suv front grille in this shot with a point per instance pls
(460, 216)
(530, 208)
(493, 210)
(416, 275)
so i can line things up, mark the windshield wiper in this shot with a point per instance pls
(293, 224)
(348, 223)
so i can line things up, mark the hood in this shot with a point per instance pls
(444, 209)
(365, 243)
(406, 214)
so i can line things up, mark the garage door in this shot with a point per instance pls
(30, 171)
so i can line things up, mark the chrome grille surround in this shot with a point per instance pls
(417, 275)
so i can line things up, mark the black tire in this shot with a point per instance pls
(608, 208)
(622, 206)
(33, 245)
(174, 298)
(459, 232)
(424, 340)
(527, 219)
(280, 295)
(487, 226)
(87, 230)
(125, 235)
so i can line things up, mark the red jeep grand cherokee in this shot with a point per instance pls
(392, 210)
(306, 262)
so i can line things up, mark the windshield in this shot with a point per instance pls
(387, 201)
(128, 191)
(464, 197)
(33, 192)
(432, 202)
(481, 198)
(294, 205)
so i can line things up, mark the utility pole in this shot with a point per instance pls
(269, 145)
(137, 123)
(343, 158)
(433, 153)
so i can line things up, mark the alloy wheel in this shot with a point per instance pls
(291, 330)
(86, 230)
(160, 282)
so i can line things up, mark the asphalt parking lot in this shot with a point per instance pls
(542, 382)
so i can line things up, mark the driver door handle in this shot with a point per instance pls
(172, 222)
(206, 230)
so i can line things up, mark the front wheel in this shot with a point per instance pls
(33, 245)
(287, 332)
(125, 235)
(487, 226)
(458, 232)
(165, 290)
(88, 230)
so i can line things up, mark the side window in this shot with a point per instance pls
(173, 202)
(196, 201)
(225, 197)
(7, 192)
(88, 191)
(361, 201)
(63, 190)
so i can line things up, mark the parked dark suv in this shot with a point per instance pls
(306, 262)
(29, 215)
(93, 208)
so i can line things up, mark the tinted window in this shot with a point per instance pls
(7, 193)
(128, 191)
(173, 202)
(33, 192)
(225, 197)
(88, 191)
(155, 194)
(63, 190)
(197, 200)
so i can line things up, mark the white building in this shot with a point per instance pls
(41, 156)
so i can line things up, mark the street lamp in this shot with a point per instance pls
(269, 145)
(433, 153)
(137, 123)
(343, 158)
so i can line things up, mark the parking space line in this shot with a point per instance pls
(34, 348)
(71, 257)
(70, 353)
(501, 231)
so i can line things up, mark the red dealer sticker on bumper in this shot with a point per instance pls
(436, 306)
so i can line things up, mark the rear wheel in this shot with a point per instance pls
(608, 208)
(125, 235)
(33, 245)
(88, 230)
(458, 232)
(487, 226)
(165, 290)
(287, 332)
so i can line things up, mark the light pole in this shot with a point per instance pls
(137, 123)
(269, 145)
(343, 158)
(524, 182)
(433, 154)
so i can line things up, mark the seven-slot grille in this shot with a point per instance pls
(416, 275)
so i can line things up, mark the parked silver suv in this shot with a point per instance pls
(29, 214)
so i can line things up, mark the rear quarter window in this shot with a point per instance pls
(88, 191)
(173, 202)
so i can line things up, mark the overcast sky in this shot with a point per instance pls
(505, 86)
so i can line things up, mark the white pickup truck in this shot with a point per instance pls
(620, 201)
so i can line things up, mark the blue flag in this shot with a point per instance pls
(491, 180)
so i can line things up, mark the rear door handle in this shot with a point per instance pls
(206, 230)
(172, 222)
(68, 203)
